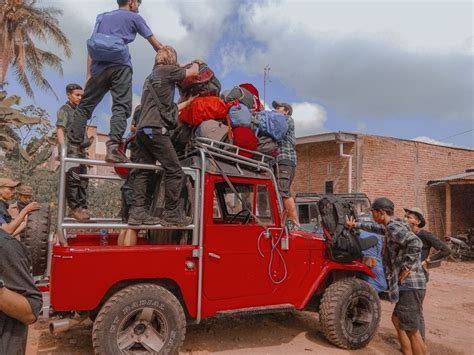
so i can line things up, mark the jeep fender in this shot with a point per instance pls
(329, 268)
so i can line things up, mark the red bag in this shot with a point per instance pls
(205, 108)
(245, 138)
(258, 106)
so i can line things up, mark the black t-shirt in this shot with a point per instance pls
(15, 271)
(431, 241)
(163, 79)
(5, 217)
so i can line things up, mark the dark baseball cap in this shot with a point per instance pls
(383, 203)
(276, 104)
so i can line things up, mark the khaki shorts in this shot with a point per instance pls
(285, 175)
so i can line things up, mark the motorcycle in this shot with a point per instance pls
(462, 246)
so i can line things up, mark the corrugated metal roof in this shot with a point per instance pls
(468, 175)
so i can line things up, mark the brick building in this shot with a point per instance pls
(436, 178)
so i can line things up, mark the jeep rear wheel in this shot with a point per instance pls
(140, 319)
(35, 238)
(350, 313)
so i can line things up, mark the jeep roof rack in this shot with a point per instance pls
(231, 154)
(203, 148)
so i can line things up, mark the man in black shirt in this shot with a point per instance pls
(159, 115)
(20, 300)
(415, 219)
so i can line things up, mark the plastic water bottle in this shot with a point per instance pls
(104, 237)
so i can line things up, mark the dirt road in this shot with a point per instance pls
(449, 316)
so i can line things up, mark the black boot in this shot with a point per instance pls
(139, 215)
(175, 217)
(114, 154)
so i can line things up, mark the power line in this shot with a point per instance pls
(457, 134)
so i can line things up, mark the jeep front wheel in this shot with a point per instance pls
(350, 313)
(140, 319)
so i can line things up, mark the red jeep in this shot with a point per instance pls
(238, 257)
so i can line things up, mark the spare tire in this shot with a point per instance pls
(35, 238)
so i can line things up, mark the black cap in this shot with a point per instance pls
(276, 104)
(383, 203)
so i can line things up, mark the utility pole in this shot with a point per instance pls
(266, 74)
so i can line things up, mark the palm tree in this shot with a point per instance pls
(21, 21)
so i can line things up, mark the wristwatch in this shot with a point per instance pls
(2, 284)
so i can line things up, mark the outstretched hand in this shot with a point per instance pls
(350, 222)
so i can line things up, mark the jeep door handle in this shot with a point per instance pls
(215, 256)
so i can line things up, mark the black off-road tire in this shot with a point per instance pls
(350, 313)
(35, 238)
(129, 309)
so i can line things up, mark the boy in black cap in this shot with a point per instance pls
(286, 161)
(405, 276)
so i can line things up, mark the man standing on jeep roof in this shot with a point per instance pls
(286, 161)
(76, 186)
(159, 115)
(11, 225)
(114, 75)
(405, 276)
(20, 301)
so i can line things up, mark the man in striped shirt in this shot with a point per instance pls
(286, 161)
(405, 277)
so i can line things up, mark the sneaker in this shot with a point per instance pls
(175, 218)
(114, 154)
(80, 214)
(139, 216)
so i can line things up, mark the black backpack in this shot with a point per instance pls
(343, 244)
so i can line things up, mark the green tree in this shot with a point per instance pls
(20, 22)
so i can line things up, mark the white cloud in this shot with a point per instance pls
(365, 73)
(422, 25)
(432, 141)
(309, 118)
(191, 27)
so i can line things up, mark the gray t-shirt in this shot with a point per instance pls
(15, 271)
(163, 79)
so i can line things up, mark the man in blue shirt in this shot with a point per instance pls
(116, 77)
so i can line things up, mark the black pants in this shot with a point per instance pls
(117, 80)
(152, 147)
(76, 187)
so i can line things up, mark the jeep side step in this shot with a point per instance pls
(277, 308)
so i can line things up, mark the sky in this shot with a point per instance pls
(393, 68)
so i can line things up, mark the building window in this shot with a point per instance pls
(329, 187)
(329, 169)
